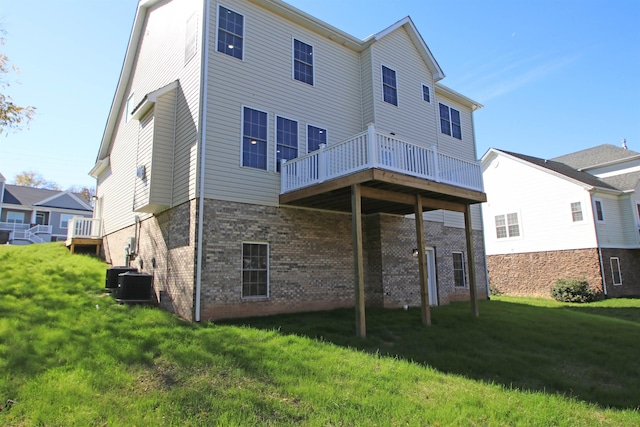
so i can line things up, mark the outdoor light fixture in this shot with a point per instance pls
(415, 252)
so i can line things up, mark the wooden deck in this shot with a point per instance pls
(84, 245)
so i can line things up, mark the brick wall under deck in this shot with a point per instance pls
(533, 274)
(168, 239)
(311, 260)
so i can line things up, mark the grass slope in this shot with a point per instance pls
(69, 355)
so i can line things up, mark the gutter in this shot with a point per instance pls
(203, 150)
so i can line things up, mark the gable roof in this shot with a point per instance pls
(597, 156)
(281, 8)
(559, 168)
(29, 196)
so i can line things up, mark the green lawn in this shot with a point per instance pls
(70, 355)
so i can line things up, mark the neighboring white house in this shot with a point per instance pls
(36, 215)
(575, 216)
(191, 175)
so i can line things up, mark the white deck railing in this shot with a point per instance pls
(83, 228)
(373, 149)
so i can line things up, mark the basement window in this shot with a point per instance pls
(458, 269)
(255, 270)
(615, 270)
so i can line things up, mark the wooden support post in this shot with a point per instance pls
(358, 261)
(422, 263)
(471, 262)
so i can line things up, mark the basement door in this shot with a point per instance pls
(431, 271)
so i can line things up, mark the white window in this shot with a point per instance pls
(389, 86)
(576, 211)
(615, 270)
(64, 220)
(426, 93)
(286, 140)
(459, 276)
(450, 121)
(230, 32)
(302, 62)
(131, 104)
(15, 217)
(255, 270)
(507, 225)
(254, 138)
(599, 211)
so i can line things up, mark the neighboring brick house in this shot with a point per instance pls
(257, 160)
(575, 216)
(36, 215)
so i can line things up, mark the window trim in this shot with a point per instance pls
(395, 88)
(599, 218)
(306, 137)
(573, 218)
(449, 120)
(275, 151)
(613, 277)
(217, 36)
(62, 217)
(268, 271)
(294, 59)
(15, 213)
(266, 168)
(464, 269)
(426, 86)
(506, 226)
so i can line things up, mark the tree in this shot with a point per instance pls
(12, 116)
(86, 192)
(35, 180)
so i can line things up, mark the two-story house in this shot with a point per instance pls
(572, 217)
(257, 160)
(36, 215)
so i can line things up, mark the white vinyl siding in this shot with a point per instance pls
(263, 82)
(143, 162)
(413, 119)
(541, 200)
(611, 231)
(159, 61)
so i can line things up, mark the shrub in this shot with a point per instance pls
(573, 290)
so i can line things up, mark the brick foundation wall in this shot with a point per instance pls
(629, 270)
(165, 249)
(533, 274)
(311, 260)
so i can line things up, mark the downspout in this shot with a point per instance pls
(595, 229)
(203, 146)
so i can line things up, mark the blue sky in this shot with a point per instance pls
(554, 76)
